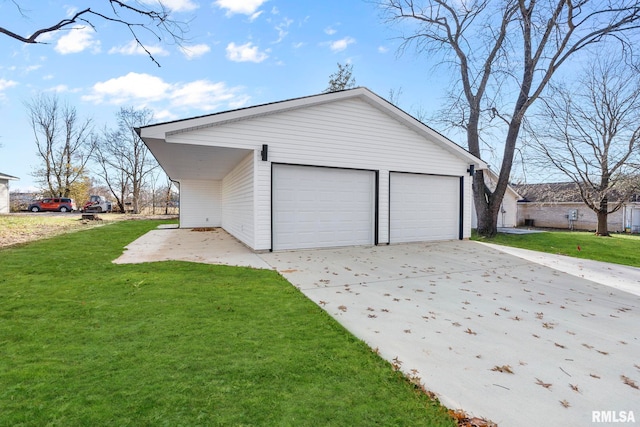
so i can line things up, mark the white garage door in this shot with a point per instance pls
(424, 207)
(316, 207)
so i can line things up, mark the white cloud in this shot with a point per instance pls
(133, 86)
(174, 5)
(194, 51)
(58, 88)
(342, 44)
(245, 53)
(133, 48)
(330, 31)
(204, 94)
(77, 40)
(383, 49)
(145, 90)
(5, 84)
(245, 7)
(255, 16)
(282, 29)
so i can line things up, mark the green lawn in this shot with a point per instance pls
(84, 342)
(619, 248)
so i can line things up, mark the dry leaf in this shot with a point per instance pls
(504, 368)
(543, 384)
(565, 403)
(628, 381)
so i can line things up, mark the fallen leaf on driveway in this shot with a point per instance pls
(543, 384)
(504, 368)
(628, 381)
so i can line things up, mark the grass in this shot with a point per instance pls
(618, 249)
(87, 342)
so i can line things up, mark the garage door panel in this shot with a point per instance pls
(424, 207)
(322, 207)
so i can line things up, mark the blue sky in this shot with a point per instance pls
(237, 53)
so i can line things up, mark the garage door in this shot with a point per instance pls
(316, 207)
(424, 207)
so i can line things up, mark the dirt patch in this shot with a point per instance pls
(18, 228)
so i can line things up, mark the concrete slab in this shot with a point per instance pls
(497, 335)
(617, 276)
(513, 230)
(208, 246)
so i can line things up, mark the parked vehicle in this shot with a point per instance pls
(57, 204)
(97, 204)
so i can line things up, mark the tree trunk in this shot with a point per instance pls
(486, 212)
(603, 215)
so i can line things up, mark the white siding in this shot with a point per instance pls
(349, 134)
(200, 203)
(238, 201)
(262, 203)
(383, 207)
(4, 196)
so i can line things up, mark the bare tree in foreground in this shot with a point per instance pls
(136, 17)
(504, 54)
(124, 161)
(591, 133)
(64, 142)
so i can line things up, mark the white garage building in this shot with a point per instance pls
(337, 169)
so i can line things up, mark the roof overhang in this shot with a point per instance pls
(184, 161)
(9, 177)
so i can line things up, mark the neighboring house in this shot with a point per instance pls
(337, 169)
(4, 192)
(558, 205)
(508, 215)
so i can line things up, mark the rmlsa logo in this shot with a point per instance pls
(612, 417)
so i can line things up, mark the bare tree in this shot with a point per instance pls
(125, 163)
(64, 142)
(591, 133)
(504, 55)
(136, 17)
(341, 79)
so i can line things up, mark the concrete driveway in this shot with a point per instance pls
(500, 336)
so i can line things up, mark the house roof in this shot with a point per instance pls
(557, 192)
(491, 178)
(5, 176)
(162, 130)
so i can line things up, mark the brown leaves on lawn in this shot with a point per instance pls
(463, 420)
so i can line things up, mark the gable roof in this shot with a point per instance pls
(558, 192)
(162, 130)
(5, 176)
(491, 179)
